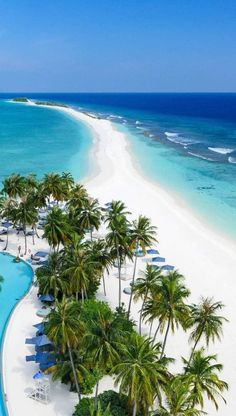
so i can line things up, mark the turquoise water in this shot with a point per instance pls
(39, 140)
(186, 142)
(209, 190)
(17, 280)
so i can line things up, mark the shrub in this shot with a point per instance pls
(117, 404)
(89, 382)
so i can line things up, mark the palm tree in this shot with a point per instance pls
(169, 305)
(56, 229)
(89, 216)
(206, 322)
(178, 400)
(7, 210)
(63, 371)
(68, 181)
(25, 214)
(54, 185)
(100, 254)
(118, 235)
(140, 373)
(103, 341)
(65, 330)
(145, 286)
(77, 198)
(202, 377)
(31, 183)
(142, 234)
(14, 186)
(117, 238)
(50, 278)
(116, 209)
(79, 267)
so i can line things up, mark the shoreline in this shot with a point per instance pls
(202, 256)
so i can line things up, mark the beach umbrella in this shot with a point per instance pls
(46, 365)
(39, 326)
(127, 290)
(167, 267)
(39, 341)
(43, 263)
(42, 340)
(47, 298)
(158, 259)
(152, 251)
(41, 254)
(44, 357)
(7, 224)
(43, 313)
(38, 375)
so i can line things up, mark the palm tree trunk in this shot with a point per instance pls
(25, 241)
(166, 334)
(134, 407)
(96, 393)
(104, 285)
(133, 280)
(150, 329)
(119, 274)
(82, 294)
(141, 313)
(74, 372)
(155, 335)
(193, 349)
(91, 234)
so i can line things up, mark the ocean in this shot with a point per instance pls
(185, 142)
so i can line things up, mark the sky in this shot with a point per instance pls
(118, 45)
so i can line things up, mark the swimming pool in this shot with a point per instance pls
(17, 280)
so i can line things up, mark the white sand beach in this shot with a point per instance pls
(207, 260)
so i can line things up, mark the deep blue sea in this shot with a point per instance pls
(186, 142)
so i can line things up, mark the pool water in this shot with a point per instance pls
(17, 280)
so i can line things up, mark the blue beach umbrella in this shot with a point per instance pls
(44, 357)
(39, 326)
(152, 251)
(46, 365)
(42, 340)
(159, 259)
(47, 298)
(39, 341)
(7, 224)
(167, 267)
(41, 254)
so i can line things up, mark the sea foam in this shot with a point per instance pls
(221, 150)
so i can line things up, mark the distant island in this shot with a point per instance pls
(47, 103)
(20, 99)
(50, 103)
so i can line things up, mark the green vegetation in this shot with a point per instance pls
(50, 103)
(20, 99)
(91, 340)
